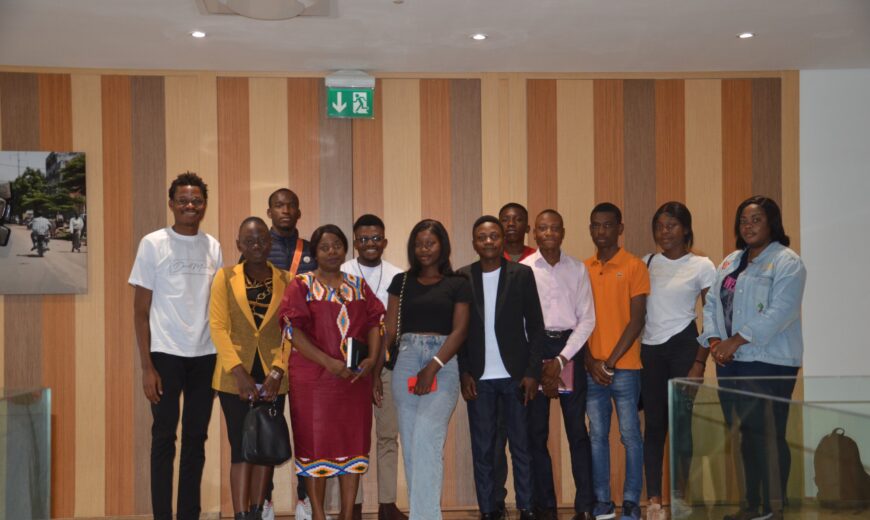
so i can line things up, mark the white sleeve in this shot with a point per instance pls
(706, 274)
(144, 267)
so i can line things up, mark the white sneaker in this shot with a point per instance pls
(303, 509)
(268, 511)
(680, 508)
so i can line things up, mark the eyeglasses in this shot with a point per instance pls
(376, 239)
(197, 203)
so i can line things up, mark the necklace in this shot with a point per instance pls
(380, 274)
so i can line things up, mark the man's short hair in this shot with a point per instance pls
(551, 211)
(514, 205)
(368, 220)
(248, 220)
(294, 199)
(608, 207)
(188, 178)
(483, 220)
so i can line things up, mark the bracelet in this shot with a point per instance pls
(561, 363)
(438, 361)
(274, 374)
(698, 361)
(607, 370)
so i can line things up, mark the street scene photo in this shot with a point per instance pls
(43, 223)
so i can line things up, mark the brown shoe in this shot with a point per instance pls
(357, 512)
(390, 512)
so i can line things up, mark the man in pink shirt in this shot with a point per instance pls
(569, 318)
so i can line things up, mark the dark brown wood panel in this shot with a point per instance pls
(541, 178)
(435, 177)
(368, 161)
(609, 144)
(767, 138)
(736, 152)
(670, 141)
(466, 190)
(640, 164)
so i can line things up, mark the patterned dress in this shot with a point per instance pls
(331, 417)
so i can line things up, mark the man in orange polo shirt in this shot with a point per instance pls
(620, 284)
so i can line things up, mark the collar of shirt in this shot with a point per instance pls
(527, 252)
(618, 260)
(291, 239)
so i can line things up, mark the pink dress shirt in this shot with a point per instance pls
(566, 298)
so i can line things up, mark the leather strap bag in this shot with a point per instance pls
(265, 436)
(393, 352)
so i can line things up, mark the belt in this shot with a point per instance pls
(558, 334)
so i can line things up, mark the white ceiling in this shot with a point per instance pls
(432, 35)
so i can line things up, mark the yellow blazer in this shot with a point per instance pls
(233, 330)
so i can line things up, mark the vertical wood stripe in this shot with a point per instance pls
(58, 312)
(303, 134)
(515, 149)
(368, 161)
(736, 151)
(490, 144)
(609, 144)
(670, 174)
(435, 176)
(148, 140)
(640, 163)
(118, 228)
(790, 114)
(542, 151)
(90, 362)
(402, 163)
(465, 164)
(336, 170)
(270, 147)
(767, 138)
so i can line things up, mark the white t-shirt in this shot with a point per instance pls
(674, 289)
(378, 277)
(178, 269)
(494, 366)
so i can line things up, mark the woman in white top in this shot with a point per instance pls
(669, 346)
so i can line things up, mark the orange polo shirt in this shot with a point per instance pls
(614, 284)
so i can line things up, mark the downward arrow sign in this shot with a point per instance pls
(337, 104)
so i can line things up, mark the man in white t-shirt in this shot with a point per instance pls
(172, 278)
(369, 240)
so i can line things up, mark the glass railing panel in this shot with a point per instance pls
(25, 454)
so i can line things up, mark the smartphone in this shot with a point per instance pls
(412, 382)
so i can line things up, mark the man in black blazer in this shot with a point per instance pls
(500, 363)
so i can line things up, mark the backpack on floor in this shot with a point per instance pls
(840, 476)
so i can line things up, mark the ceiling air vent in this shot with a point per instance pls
(267, 9)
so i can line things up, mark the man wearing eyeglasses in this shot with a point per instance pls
(369, 240)
(172, 277)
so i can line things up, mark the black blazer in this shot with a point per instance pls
(516, 304)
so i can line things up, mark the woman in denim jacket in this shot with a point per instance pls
(752, 323)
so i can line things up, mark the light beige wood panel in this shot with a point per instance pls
(490, 123)
(90, 431)
(575, 135)
(269, 140)
(514, 106)
(704, 164)
(402, 168)
(791, 215)
(208, 153)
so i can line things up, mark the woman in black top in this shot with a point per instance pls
(434, 307)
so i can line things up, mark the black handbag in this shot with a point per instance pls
(393, 350)
(265, 436)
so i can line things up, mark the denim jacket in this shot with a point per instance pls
(767, 306)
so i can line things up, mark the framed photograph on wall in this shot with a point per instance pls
(43, 223)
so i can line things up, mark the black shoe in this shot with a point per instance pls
(525, 514)
(546, 514)
(256, 513)
(240, 516)
(584, 515)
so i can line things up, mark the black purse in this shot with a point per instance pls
(265, 436)
(393, 350)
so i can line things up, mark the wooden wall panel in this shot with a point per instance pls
(639, 129)
(766, 138)
(118, 228)
(670, 171)
(58, 311)
(475, 143)
(465, 165)
(609, 144)
(542, 178)
(90, 309)
(368, 161)
(303, 137)
(736, 151)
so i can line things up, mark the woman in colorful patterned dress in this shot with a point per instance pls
(324, 313)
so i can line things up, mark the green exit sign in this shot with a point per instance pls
(350, 102)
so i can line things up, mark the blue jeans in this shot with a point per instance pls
(423, 422)
(492, 395)
(625, 392)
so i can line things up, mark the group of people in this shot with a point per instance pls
(343, 340)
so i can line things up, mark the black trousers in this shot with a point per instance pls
(499, 464)
(574, 413)
(763, 421)
(661, 363)
(190, 377)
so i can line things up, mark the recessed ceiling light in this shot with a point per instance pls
(746, 35)
(478, 36)
(198, 34)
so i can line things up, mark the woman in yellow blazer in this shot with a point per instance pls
(244, 327)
